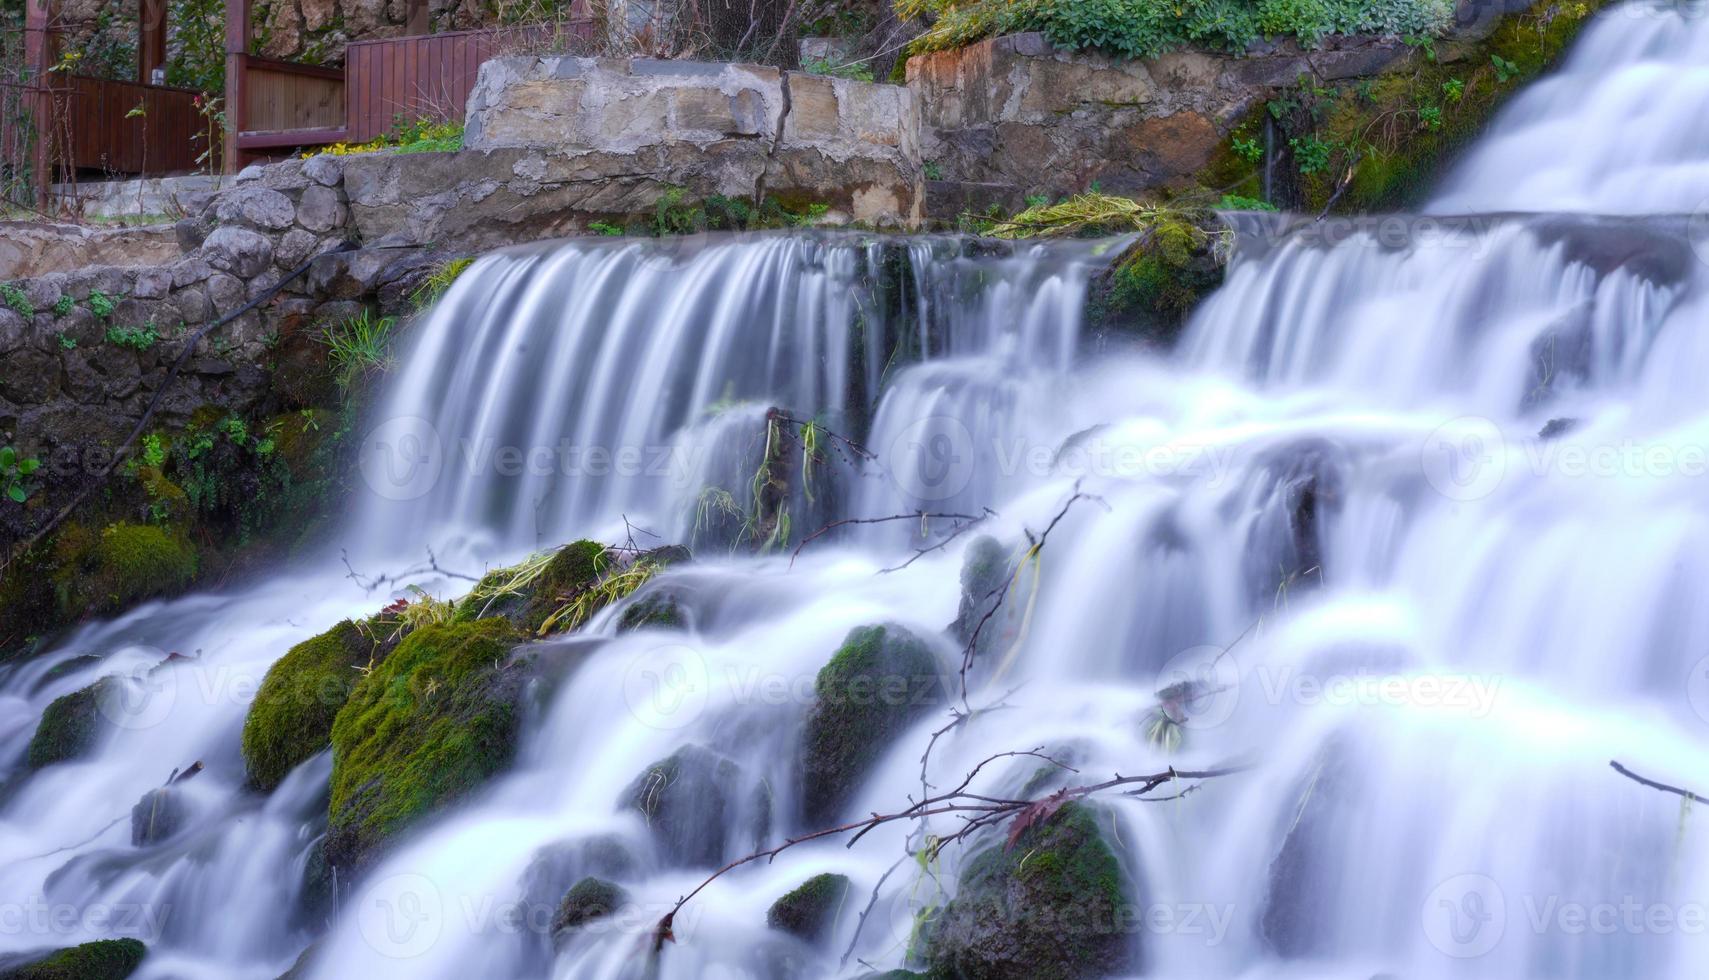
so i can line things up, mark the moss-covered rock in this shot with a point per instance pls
(157, 816)
(882, 680)
(1053, 907)
(430, 723)
(292, 715)
(121, 564)
(572, 570)
(104, 959)
(70, 726)
(658, 610)
(587, 900)
(688, 802)
(984, 569)
(811, 908)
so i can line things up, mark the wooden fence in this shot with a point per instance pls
(286, 106)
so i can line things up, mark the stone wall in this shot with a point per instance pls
(1011, 116)
(1015, 111)
(34, 248)
(637, 127)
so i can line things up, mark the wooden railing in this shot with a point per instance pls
(283, 105)
(56, 124)
(126, 128)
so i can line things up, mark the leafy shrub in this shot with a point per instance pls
(13, 470)
(135, 338)
(358, 346)
(1147, 28)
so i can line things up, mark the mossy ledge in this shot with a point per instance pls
(811, 908)
(882, 679)
(433, 721)
(292, 715)
(103, 959)
(1052, 907)
(70, 726)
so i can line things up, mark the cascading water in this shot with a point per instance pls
(1415, 501)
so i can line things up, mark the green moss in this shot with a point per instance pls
(572, 570)
(292, 715)
(434, 720)
(1053, 907)
(880, 681)
(658, 611)
(1400, 132)
(587, 900)
(811, 908)
(104, 959)
(121, 565)
(70, 726)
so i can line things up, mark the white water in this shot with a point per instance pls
(1447, 654)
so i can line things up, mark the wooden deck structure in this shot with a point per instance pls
(81, 123)
(281, 105)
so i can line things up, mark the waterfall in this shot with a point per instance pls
(1420, 495)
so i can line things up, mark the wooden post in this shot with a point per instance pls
(151, 39)
(419, 21)
(38, 58)
(236, 60)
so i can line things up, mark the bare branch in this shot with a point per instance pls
(1646, 781)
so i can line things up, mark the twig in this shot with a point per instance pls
(956, 532)
(379, 581)
(985, 811)
(1001, 593)
(848, 521)
(1664, 787)
(870, 902)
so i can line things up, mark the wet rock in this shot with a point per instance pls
(70, 726)
(587, 900)
(1555, 428)
(239, 251)
(104, 959)
(984, 569)
(157, 816)
(255, 206)
(427, 726)
(688, 802)
(1054, 905)
(809, 910)
(292, 715)
(882, 680)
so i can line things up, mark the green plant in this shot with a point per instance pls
(13, 470)
(15, 298)
(1147, 28)
(66, 343)
(605, 228)
(1248, 149)
(436, 285)
(1234, 202)
(135, 338)
(1454, 89)
(933, 170)
(1505, 71)
(358, 346)
(153, 451)
(101, 304)
(859, 71)
(63, 305)
(1430, 117)
(1311, 154)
